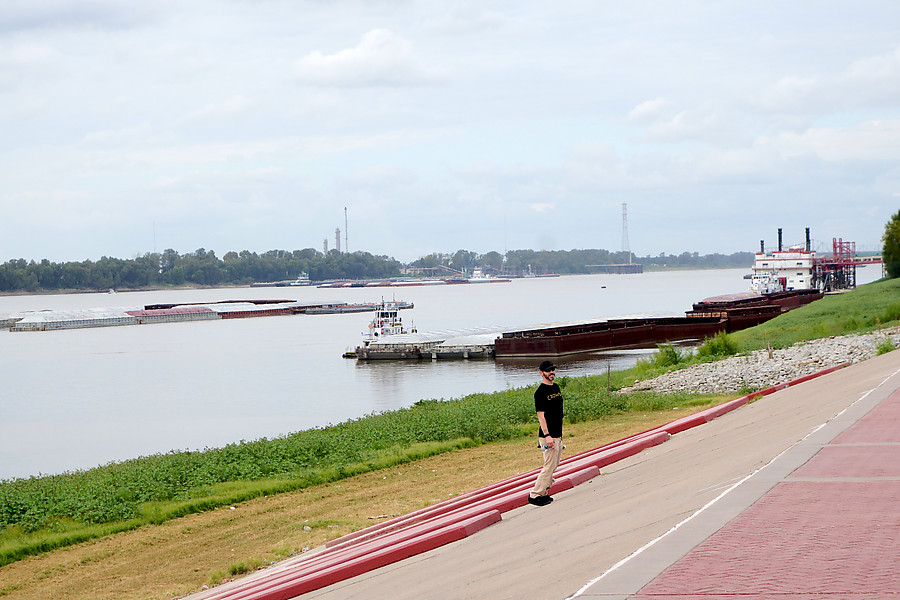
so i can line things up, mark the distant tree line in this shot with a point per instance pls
(203, 268)
(520, 262)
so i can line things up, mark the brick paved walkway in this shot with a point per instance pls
(830, 529)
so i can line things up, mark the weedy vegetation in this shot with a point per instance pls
(885, 345)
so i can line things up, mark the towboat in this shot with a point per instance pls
(479, 276)
(386, 322)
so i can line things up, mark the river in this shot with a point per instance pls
(74, 399)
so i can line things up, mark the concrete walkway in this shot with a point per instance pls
(795, 495)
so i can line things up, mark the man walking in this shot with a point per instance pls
(548, 403)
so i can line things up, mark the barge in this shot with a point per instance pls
(748, 309)
(604, 335)
(477, 277)
(720, 314)
(48, 320)
(433, 351)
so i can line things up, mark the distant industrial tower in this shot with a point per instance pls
(337, 239)
(625, 245)
(346, 233)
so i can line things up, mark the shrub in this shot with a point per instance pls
(668, 355)
(885, 345)
(718, 346)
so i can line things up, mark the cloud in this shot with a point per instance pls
(875, 79)
(453, 121)
(140, 133)
(465, 18)
(792, 94)
(873, 141)
(27, 63)
(712, 121)
(381, 58)
(647, 112)
(23, 15)
(868, 81)
(237, 106)
(379, 177)
(71, 209)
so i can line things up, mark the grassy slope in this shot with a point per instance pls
(864, 309)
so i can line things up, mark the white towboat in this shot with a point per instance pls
(386, 322)
(479, 276)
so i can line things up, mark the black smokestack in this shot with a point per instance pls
(807, 239)
(779, 239)
(762, 246)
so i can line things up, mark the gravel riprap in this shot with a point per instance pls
(761, 369)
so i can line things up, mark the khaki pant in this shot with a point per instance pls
(551, 461)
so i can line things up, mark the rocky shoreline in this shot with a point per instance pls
(764, 368)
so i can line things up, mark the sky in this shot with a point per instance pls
(133, 127)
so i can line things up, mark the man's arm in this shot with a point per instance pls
(548, 439)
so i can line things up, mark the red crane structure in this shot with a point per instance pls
(838, 271)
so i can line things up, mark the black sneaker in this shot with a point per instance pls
(540, 500)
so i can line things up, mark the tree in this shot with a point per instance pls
(463, 259)
(890, 253)
(492, 259)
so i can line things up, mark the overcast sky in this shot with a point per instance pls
(486, 125)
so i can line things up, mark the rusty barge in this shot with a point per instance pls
(721, 314)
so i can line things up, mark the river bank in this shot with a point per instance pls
(763, 368)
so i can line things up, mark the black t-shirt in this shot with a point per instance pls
(548, 399)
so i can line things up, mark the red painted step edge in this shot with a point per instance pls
(419, 539)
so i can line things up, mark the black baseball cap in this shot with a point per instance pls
(547, 366)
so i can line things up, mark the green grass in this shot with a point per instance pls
(38, 514)
(864, 309)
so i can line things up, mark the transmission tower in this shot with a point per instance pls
(625, 245)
